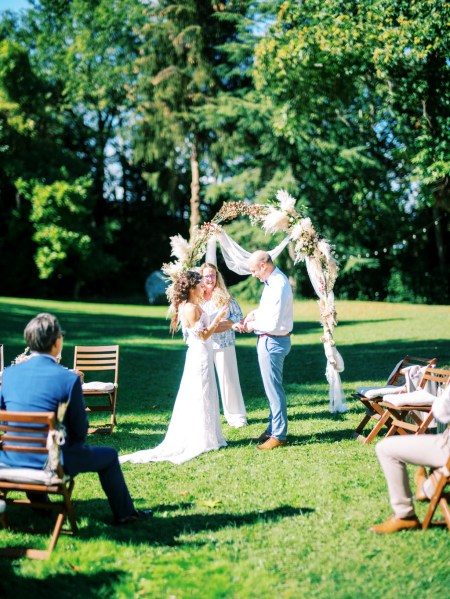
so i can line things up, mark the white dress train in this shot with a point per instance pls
(194, 427)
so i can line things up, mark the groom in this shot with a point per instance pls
(272, 322)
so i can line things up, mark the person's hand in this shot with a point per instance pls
(249, 326)
(223, 311)
(249, 318)
(242, 327)
(80, 373)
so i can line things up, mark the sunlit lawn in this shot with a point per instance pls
(239, 523)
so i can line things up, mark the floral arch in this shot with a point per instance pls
(309, 247)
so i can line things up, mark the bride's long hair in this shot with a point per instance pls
(220, 295)
(186, 281)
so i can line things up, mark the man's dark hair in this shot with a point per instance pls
(41, 333)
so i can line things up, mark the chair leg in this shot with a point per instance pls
(425, 424)
(56, 531)
(362, 425)
(69, 506)
(3, 520)
(438, 499)
(445, 510)
(383, 421)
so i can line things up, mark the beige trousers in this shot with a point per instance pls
(394, 453)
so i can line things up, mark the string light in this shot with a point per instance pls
(398, 246)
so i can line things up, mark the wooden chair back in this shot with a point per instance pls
(30, 433)
(99, 359)
(373, 410)
(415, 418)
(397, 376)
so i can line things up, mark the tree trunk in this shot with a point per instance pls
(195, 189)
(99, 172)
(439, 238)
(76, 289)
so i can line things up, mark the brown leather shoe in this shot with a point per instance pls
(394, 524)
(420, 476)
(271, 443)
(262, 437)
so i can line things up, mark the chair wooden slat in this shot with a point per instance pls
(61, 486)
(98, 367)
(100, 358)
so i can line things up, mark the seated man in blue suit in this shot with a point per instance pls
(40, 384)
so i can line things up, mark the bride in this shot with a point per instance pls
(195, 424)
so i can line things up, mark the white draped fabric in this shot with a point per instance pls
(236, 259)
(335, 362)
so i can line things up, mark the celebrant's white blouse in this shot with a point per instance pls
(226, 338)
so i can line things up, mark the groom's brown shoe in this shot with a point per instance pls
(262, 437)
(394, 524)
(271, 443)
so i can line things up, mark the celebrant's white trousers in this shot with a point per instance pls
(394, 453)
(230, 388)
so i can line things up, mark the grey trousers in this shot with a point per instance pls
(394, 453)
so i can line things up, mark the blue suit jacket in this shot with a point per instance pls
(39, 385)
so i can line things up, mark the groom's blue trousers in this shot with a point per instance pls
(271, 354)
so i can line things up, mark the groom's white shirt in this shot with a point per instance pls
(275, 312)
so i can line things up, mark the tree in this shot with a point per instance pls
(348, 91)
(68, 82)
(63, 231)
(86, 49)
(194, 75)
(31, 146)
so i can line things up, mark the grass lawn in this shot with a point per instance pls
(239, 523)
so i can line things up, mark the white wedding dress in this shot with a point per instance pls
(195, 424)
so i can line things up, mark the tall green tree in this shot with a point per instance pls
(194, 90)
(80, 68)
(349, 82)
(63, 231)
(31, 146)
(86, 48)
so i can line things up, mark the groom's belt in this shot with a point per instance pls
(269, 335)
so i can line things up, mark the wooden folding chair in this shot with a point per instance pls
(441, 497)
(33, 433)
(407, 417)
(99, 358)
(373, 409)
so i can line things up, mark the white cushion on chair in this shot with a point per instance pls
(97, 386)
(371, 392)
(29, 475)
(415, 398)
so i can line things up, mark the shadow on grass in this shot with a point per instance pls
(322, 437)
(331, 436)
(88, 586)
(150, 375)
(167, 530)
(297, 416)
